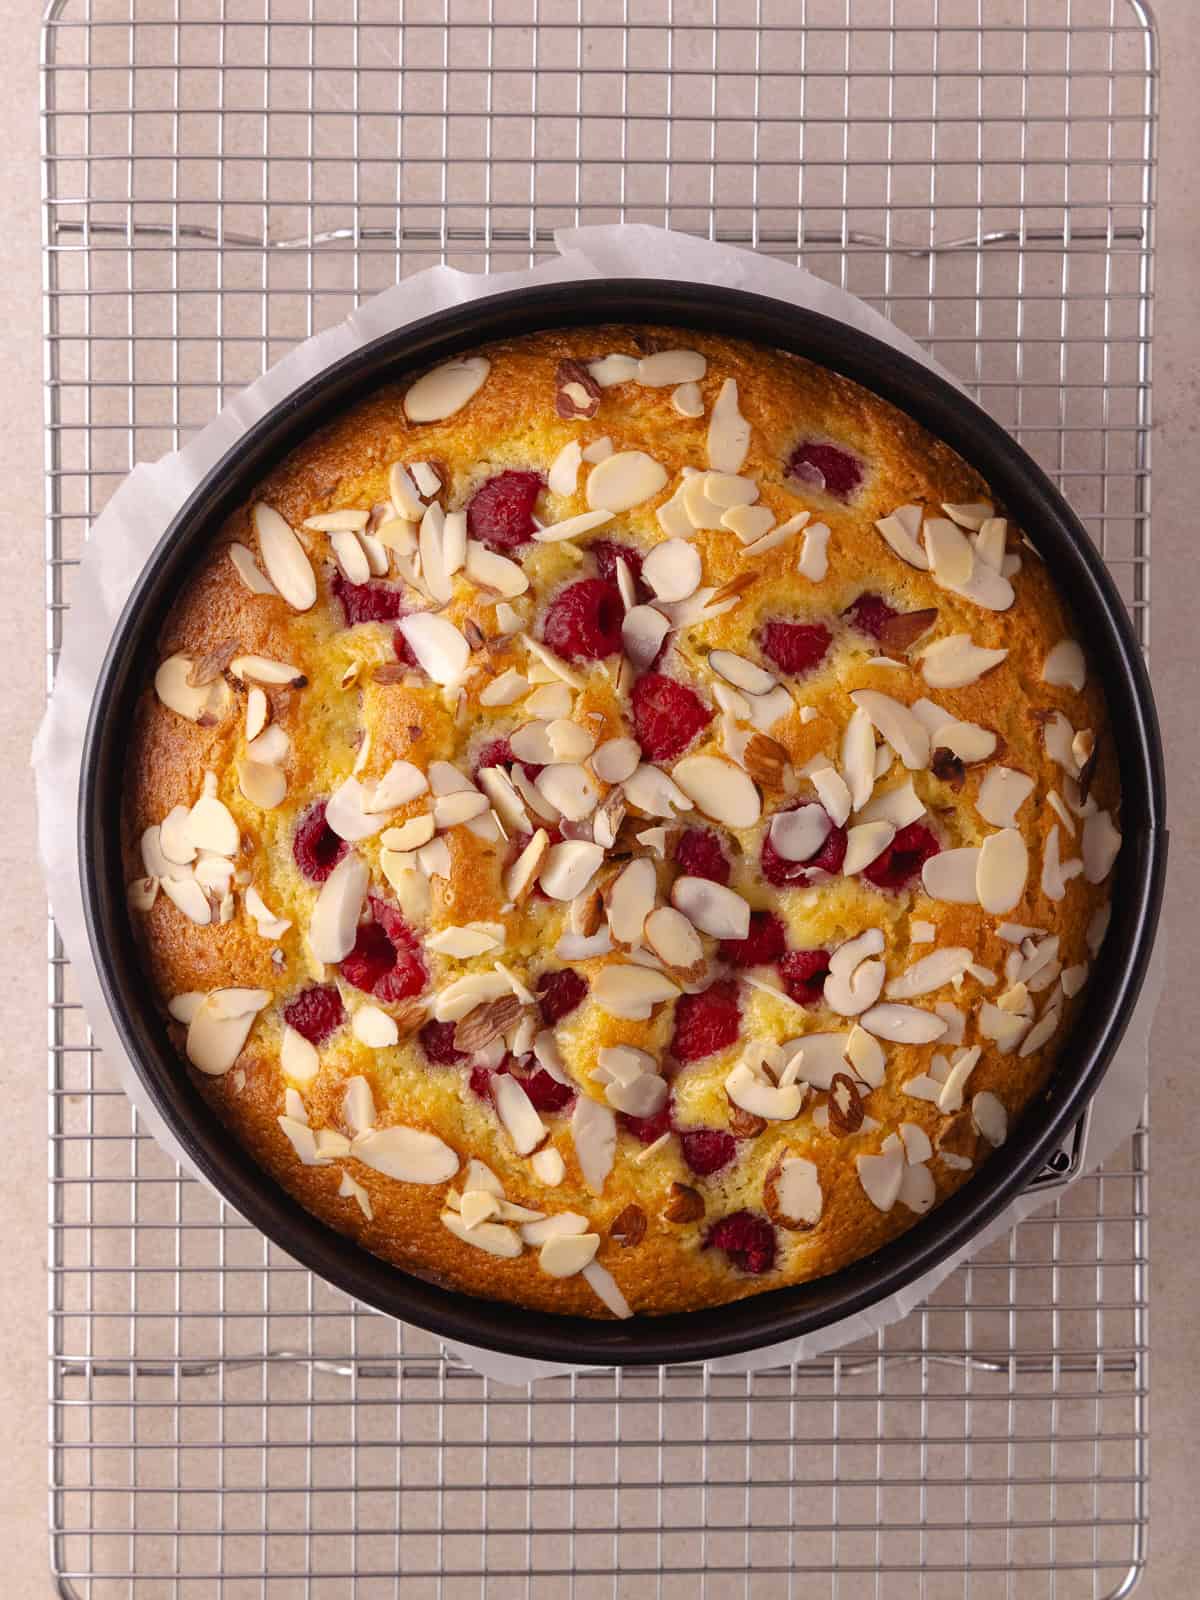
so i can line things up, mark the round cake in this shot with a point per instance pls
(620, 822)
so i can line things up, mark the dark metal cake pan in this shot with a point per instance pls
(1114, 657)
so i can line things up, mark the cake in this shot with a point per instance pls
(620, 822)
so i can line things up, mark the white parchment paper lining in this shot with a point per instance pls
(126, 532)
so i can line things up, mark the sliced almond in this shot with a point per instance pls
(720, 790)
(569, 867)
(966, 740)
(447, 389)
(903, 1024)
(930, 973)
(438, 645)
(951, 876)
(576, 393)
(264, 786)
(1065, 666)
(858, 759)
(666, 368)
(990, 1117)
(246, 568)
(654, 793)
(1001, 871)
(334, 923)
(711, 907)
(256, 713)
(642, 633)
(205, 704)
(743, 674)
(517, 1114)
(623, 480)
(594, 1134)
(898, 725)
(262, 669)
(798, 835)
(901, 532)
(951, 557)
(688, 400)
(615, 760)
(572, 527)
(613, 369)
(1099, 846)
(487, 570)
(630, 899)
(881, 1176)
(792, 1194)
(220, 1026)
(284, 557)
(728, 431)
(670, 935)
(1001, 795)
(955, 661)
(864, 843)
(767, 761)
(188, 896)
(521, 876)
(751, 523)
(631, 992)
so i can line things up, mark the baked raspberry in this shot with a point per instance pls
(667, 715)
(315, 846)
(584, 621)
(707, 1150)
(404, 651)
(869, 613)
(795, 647)
(783, 873)
(903, 859)
(386, 958)
(481, 1082)
(500, 512)
(559, 993)
(367, 602)
(437, 1041)
(766, 941)
(647, 1129)
(706, 1022)
(803, 973)
(316, 1012)
(607, 552)
(827, 467)
(698, 854)
(498, 753)
(546, 1093)
(747, 1239)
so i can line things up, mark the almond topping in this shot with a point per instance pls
(720, 790)
(624, 480)
(767, 761)
(951, 876)
(666, 368)
(1065, 666)
(247, 570)
(576, 394)
(846, 1110)
(671, 937)
(792, 1194)
(628, 1227)
(631, 992)
(1001, 871)
(334, 923)
(728, 431)
(615, 760)
(952, 662)
(284, 557)
(898, 725)
(688, 400)
(714, 909)
(569, 868)
(1001, 795)
(642, 633)
(684, 1205)
(903, 1024)
(672, 569)
(205, 704)
(901, 532)
(446, 390)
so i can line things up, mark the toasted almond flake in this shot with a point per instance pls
(951, 556)
(175, 840)
(1001, 871)
(294, 1105)
(487, 570)
(446, 390)
(623, 480)
(347, 815)
(350, 556)
(630, 900)
(594, 1133)
(882, 1175)
(898, 725)
(653, 792)
(205, 705)
(632, 992)
(247, 570)
(403, 493)
(744, 674)
(563, 1224)
(505, 690)
(951, 875)
(517, 1114)
(256, 713)
(865, 1055)
(477, 1206)
(971, 515)
(990, 1118)
(642, 633)
(864, 842)
(920, 932)
(667, 368)
(823, 1055)
(564, 471)
(903, 1024)
(991, 542)
(798, 835)
(930, 973)
(451, 810)
(884, 758)
(1073, 979)
(814, 557)
(270, 747)
(858, 760)
(438, 645)
(966, 740)
(570, 789)
(284, 557)
(572, 527)
(901, 532)
(569, 867)
(955, 661)
(1001, 795)
(780, 535)
(672, 569)
(673, 939)
(261, 669)
(688, 400)
(210, 826)
(728, 489)
(219, 1027)
(1065, 666)
(672, 516)
(728, 431)
(711, 907)
(1099, 846)
(759, 1097)
(752, 524)
(187, 896)
(1056, 873)
(494, 1238)
(720, 790)
(557, 667)
(613, 369)
(334, 923)
(563, 1255)
(855, 982)
(616, 759)
(264, 786)
(298, 1056)
(549, 1168)
(918, 1191)
(1042, 1031)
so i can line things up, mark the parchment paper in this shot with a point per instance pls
(124, 535)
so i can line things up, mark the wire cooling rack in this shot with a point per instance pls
(222, 179)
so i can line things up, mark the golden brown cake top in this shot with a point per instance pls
(620, 822)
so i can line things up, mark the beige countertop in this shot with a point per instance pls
(1175, 1304)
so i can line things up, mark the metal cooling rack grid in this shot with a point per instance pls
(226, 179)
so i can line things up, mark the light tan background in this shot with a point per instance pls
(1175, 1526)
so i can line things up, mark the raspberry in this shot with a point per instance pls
(826, 467)
(498, 753)
(699, 854)
(868, 614)
(559, 993)
(748, 1240)
(607, 552)
(707, 1150)
(386, 960)
(437, 1041)
(903, 858)
(765, 942)
(803, 973)
(481, 1082)
(404, 651)
(501, 511)
(367, 602)
(584, 621)
(316, 847)
(647, 1129)
(796, 647)
(783, 873)
(546, 1093)
(316, 1012)
(667, 716)
(705, 1022)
